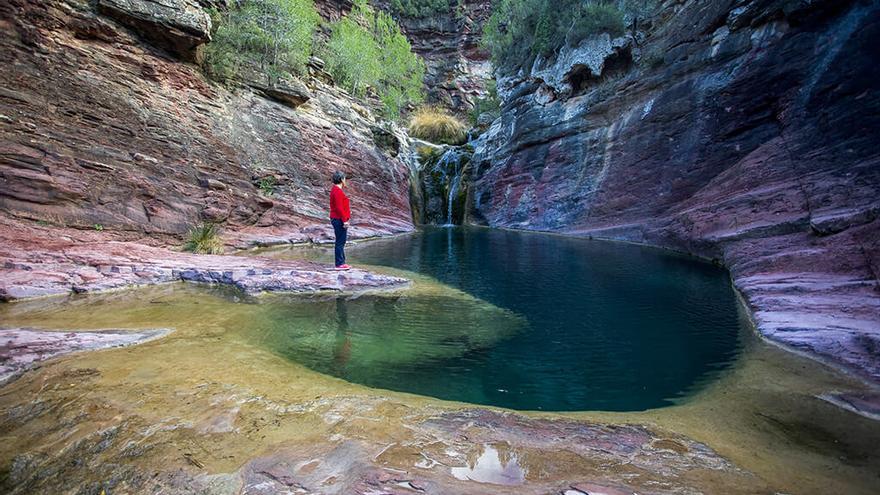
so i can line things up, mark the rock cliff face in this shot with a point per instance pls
(745, 131)
(103, 126)
(449, 42)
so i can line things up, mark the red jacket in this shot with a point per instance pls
(339, 207)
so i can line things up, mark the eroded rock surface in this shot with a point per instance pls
(486, 452)
(458, 68)
(740, 131)
(98, 127)
(179, 26)
(42, 261)
(503, 453)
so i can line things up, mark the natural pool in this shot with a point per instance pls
(221, 391)
(557, 323)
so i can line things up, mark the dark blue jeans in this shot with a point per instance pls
(341, 236)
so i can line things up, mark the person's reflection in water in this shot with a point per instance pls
(342, 349)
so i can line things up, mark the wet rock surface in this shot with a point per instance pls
(427, 455)
(443, 183)
(742, 132)
(44, 261)
(481, 451)
(210, 408)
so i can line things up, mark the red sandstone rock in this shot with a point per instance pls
(458, 68)
(41, 261)
(99, 128)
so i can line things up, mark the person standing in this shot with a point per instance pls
(340, 215)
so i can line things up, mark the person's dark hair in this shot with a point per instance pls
(338, 177)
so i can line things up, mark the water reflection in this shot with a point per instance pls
(342, 350)
(540, 323)
(499, 466)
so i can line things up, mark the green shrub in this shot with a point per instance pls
(266, 185)
(594, 18)
(437, 126)
(204, 239)
(489, 104)
(422, 8)
(271, 37)
(520, 30)
(367, 49)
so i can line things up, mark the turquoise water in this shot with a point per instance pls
(555, 323)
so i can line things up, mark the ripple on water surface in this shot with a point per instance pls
(548, 323)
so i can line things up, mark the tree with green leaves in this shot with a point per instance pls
(269, 37)
(422, 8)
(521, 30)
(367, 49)
(353, 55)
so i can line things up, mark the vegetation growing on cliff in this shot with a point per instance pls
(435, 125)
(488, 105)
(270, 37)
(520, 30)
(367, 49)
(423, 8)
(275, 38)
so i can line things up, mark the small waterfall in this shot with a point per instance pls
(448, 167)
(441, 176)
(452, 190)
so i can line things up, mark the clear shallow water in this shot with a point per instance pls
(554, 323)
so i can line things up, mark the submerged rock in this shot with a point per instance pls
(23, 348)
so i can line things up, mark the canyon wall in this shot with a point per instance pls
(449, 42)
(745, 131)
(105, 126)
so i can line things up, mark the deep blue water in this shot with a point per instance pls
(570, 324)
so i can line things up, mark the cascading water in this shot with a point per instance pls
(441, 180)
(452, 190)
(448, 165)
(441, 177)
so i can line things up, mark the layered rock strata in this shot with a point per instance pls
(741, 131)
(458, 68)
(44, 261)
(101, 127)
(179, 26)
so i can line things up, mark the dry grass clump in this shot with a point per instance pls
(204, 239)
(435, 125)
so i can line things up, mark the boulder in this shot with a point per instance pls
(291, 93)
(178, 26)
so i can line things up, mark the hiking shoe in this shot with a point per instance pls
(343, 267)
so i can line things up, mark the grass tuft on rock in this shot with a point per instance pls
(204, 238)
(437, 126)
